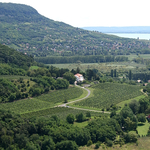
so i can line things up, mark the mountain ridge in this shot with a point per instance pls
(39, 36)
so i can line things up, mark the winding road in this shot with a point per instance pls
(89, 92)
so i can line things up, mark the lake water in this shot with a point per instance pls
(133, 35)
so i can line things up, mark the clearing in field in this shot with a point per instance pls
(106, 94)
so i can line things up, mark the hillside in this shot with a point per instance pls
(25, 30)
(14, 58)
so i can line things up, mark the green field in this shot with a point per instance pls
(143, 128)
(34, 67)
(61, 95)
(106, 94)
(102, 67)
(42, 102)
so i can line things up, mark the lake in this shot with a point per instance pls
(133, 35)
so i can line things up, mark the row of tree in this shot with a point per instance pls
(83, 59)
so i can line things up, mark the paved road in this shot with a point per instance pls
(89, 92)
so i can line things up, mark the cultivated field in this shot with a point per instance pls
(106, 94)
(61, 112)
(42, 102)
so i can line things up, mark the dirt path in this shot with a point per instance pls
(90, 110)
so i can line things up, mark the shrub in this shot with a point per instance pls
(89, 143)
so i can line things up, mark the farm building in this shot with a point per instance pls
(79, 77)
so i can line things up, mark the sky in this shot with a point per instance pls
(85, 13)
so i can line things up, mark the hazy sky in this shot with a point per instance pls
(82, 13)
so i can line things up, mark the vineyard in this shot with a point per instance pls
(106, 94)
(61, 112)
(61, 96)
(42, 102)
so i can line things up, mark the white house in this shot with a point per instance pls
(79, 77)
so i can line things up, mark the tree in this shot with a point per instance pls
(112, 73)
(70, 77)
(78, 70)
(141, 117)
(88, 114)
(143, 104)
(66, 145)
(134, 105)
(115, 73)
(130, 75)
(128, 119)
(70, 118)
(80, 117)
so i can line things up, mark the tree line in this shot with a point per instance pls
(78, 59)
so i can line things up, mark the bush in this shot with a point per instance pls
(70, 118)
(97, 145)
(80, 117)
(89, 143)
(109, 143)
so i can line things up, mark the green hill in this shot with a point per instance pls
(24, 29)
(14, 58)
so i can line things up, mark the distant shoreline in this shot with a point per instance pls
(128, 29)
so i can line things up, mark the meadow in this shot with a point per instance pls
(102, 67)
(107, 94)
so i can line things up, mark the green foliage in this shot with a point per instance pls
(70, 77)
(88, 114)
(66, 145)
(135, 106)
(141, 117)
(70, 118)
(106, 94)
(80, 117)
(128, 119)
(103, 129)
(89, 143)
(130, 137)
(15, 59)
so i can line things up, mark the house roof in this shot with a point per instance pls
(78, 75)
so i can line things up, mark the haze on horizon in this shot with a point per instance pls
(85, 13)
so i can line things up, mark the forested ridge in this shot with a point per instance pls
(24, 29)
